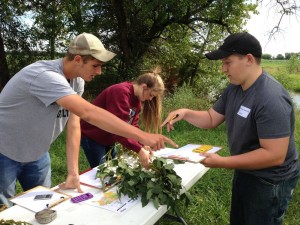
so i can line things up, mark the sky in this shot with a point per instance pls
(288, 40)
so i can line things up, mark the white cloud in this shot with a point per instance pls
(287, 40)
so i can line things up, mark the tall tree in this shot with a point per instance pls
(13, 38)
(49, 26)
(133, 29)
(4, 74)
(137, 24)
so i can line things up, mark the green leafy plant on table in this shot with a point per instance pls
(12, 222)
(158, 183)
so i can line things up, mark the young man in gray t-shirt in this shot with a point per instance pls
(259, 118)
(36, 105)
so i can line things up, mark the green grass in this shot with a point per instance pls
(279, 69)
(211, 194)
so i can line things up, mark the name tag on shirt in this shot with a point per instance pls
(244, 111)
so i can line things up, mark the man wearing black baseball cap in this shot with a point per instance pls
(259, 117)
(239, 43)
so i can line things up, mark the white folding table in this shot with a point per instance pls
(69, 213)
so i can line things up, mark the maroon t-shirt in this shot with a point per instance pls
(119, 99)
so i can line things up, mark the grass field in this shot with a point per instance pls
(211, 194)
(279, 69)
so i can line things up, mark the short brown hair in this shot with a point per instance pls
(85, 58)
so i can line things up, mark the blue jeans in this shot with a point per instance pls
(95, 152)
(256, 201)
(29, 175)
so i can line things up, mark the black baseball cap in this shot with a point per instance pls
(241, 43)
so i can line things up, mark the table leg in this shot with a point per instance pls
(176, 218)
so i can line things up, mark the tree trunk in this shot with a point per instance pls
(123, 36)
(4, 72)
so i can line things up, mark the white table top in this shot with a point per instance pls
(69, 213)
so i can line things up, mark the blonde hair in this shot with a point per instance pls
(152, 109)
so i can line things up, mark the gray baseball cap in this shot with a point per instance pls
(89, 44)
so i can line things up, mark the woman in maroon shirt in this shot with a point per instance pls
(126, 100)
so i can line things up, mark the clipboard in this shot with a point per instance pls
(88, 178)
(188, 153)
(26, 199)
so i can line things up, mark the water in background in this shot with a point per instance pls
(296, 99)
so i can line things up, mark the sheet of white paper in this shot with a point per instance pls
(185, 153)
(89, 178)
(164, 151)
(109, 200)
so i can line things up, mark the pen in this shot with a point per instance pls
(121, 206)
(174, 117)
(50, 205)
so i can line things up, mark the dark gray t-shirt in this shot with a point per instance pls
(30, 118)
(263, 111)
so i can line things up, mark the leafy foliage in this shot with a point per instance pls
(293, 64)
(178, 30)
(12, 222)
(159, 183)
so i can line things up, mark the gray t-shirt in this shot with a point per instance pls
(265, 110)
(30, 118)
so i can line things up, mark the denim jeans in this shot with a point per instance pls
(29, 175)
(256, 201)
(95, 152)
